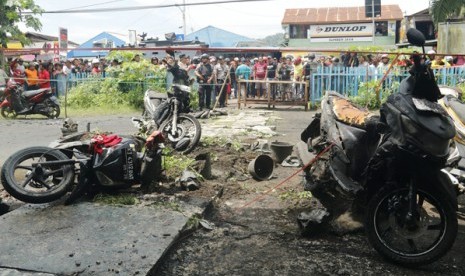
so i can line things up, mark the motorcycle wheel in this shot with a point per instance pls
(188, 128)
(8, 112)
(428, 238)
(54, 111)
(38, 184)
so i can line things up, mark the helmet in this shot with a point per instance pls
(195, 60)
(204, 56)
(227, 60)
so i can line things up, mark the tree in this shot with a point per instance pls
(12, 12)
(441, 10)
(273, 40)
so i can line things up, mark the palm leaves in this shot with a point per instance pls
(445, 9)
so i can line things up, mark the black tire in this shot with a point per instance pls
(397, 241)
(8, 112)
(184, 131)
(54, 111)
(31, 185)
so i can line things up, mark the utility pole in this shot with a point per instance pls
(183, 11)
(373, 19)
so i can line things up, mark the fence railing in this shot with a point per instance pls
(347, 80)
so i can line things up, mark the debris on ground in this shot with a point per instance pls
(188, 180)
(291, 161)
(312, 223)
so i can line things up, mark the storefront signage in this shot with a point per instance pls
(341, 39)
(341, 30)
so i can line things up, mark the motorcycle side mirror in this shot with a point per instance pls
(415, 37)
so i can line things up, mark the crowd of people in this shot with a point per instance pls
(218, 76)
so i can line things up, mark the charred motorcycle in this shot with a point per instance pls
(45, 174)
(168, 112)
(16, 101)
(390, 166)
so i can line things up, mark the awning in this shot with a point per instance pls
(14, 45)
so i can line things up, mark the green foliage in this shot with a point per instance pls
(444, 9)
(121, 199)
(221, 141)
(175, 164)
(367, 94)
(14, 12)
(124, 86)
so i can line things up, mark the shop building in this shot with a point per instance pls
(341, 27)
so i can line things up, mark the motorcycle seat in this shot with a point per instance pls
(348, 113)
(457, 106)
(31, 93)
(156, 95)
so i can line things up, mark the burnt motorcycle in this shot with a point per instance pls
(16, 101)
(168, 113)
(390, 166)
(45, 174)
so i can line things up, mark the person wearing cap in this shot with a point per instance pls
(232, 76)
(17, 71)
(204, 73)
(32, 76)
(431, 54)
(220, 70)
(383, 66)
(95, 67)
(271, 75)
(243, 72)
(285, 72)
(259, 74)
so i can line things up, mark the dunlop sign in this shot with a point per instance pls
(341, 30)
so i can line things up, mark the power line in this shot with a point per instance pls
(98, 4)
(147, 7)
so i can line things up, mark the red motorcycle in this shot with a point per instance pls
(16, 101)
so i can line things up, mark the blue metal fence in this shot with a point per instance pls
(347, 80)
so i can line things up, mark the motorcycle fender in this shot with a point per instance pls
(54, 100)
(445, 185)
(4, 103)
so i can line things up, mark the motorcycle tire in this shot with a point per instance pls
(8, 112)
(54, 111)
(399, 242)
(183, 132)
(40, 184)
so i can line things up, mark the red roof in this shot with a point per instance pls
(338, 15)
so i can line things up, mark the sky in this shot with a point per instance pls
(254, 19)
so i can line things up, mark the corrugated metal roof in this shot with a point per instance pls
(216, 37)
(338, 15)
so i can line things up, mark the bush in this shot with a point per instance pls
(367, 94)
(123, 86)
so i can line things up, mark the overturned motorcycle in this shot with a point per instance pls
(390, 167)
(168, 113)
(45, 174)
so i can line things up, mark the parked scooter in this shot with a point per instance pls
(16, 101)
(456, 109)
(390, 166)
(45, 174)
(168, 113)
